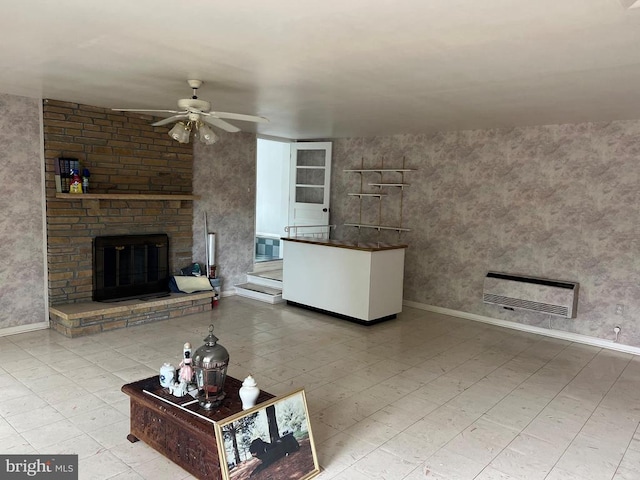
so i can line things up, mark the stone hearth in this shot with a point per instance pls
(77, 319)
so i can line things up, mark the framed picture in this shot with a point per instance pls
(271, 440)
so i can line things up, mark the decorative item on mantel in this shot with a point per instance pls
(249, 392)
(85, 180)
(210, 363)
(75, 185)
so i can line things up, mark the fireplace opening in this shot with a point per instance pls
(130, 266)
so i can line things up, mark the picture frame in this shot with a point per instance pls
(271, 440)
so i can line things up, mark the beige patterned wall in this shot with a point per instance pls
(22, 254)
(561, 202)
(224, 175)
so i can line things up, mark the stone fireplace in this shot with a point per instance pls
(140, 184)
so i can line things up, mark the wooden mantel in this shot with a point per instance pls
(125, 196)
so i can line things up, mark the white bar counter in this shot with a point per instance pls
(360, 282)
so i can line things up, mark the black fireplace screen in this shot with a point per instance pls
(130, 266)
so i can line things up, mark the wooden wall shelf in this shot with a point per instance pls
(126, 196)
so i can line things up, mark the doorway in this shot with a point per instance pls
(272, 197)
(292, 189)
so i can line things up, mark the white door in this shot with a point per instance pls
(309, 195)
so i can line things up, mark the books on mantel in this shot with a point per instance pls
(63, 167)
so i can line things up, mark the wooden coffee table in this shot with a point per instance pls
(178, 428)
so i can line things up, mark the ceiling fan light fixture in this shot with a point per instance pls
(206, 135)
(180, 132)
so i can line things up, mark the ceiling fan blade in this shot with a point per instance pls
(216, 122)
(238, 116)
(170, 120)
(143, 110)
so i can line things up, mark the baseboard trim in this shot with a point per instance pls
(23, 329)
(572, 337)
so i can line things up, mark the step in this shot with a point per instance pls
(270, 265)
(259, 292)
(269, 278)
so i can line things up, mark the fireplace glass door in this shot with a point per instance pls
(130, 266)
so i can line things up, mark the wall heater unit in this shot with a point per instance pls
(555, 297)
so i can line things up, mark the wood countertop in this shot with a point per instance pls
(363, 246)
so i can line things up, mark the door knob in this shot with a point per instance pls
(325, 209)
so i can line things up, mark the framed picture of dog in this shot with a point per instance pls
(271, 440)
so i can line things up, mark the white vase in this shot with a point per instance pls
(167, 375)
(249, 393)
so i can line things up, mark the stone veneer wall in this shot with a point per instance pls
(22, 288)
(124, 155)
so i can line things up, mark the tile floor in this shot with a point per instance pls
(425, 396)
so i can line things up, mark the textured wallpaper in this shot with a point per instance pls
(224, 175)
(22, 262)
(560, 202)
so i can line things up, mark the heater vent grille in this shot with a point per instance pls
(554, 297)
(526, 304)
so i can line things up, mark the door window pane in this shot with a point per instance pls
(307, 176)
(310, 158)
(310, 195)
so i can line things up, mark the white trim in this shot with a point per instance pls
(228, 293)
(572, 337)
(270, 236)
(275, 139)
(24, 328)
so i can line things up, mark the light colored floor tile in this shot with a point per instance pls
(416, 446)
(100, 466)
(427, 396)
(490, 473)
(135, 454)
(55, 381)
(527, 457)
(482, 441)
(442, 389)
(34, 419)
(401, 418)
(375, 432)
(6, 429)
(591, 458)
(128, 475)
(383, 465)
(79, 404)
(135, 373)
(98, 418)
(12, 388)
(83, 445)
(161, 469)
(344, 449)
(452, 418)
(51, 433)
(558, 430)
(31, 374)
(112, 435)
(450, 464)
(516, 411)
(351, 473)
(14, 406)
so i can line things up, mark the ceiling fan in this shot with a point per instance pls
(197, 114)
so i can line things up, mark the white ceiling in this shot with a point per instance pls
(334, 68)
